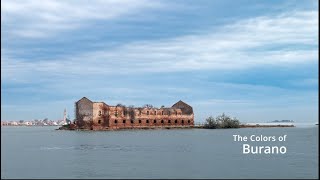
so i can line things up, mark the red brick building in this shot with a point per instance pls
(99, 116)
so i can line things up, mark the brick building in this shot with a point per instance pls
(99, 116)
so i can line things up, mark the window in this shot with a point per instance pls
(176, 121)
(155, 112)
(99, 113)
(169, 113)
(147, 121)
(162, 113)
(154, 121)
(162, 121)
(176, 112)
(139, 112)
(131, 121)
(124, 121)
(116, 113)
(188, 121)
(139, 121)
(182, 121)
(116, 121)
(147, 112)
(99, 122)
(169, 121)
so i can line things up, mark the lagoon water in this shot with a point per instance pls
(43, 152)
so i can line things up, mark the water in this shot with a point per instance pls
(42, 152)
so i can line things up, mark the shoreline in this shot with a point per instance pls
(265, 126)
(175, 127)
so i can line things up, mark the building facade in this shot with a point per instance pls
(100, 116)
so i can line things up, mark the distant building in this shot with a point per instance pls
(65, 116)
(14, 123)
(99, 115)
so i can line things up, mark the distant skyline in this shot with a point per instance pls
(255, 60)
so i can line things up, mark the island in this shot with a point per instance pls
(101, 116)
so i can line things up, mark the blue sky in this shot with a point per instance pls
(256, 60)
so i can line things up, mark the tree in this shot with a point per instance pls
(222, 121)
(210, 123)
(120, 105)
(131, 112)
(148, 106)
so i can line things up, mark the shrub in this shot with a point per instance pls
(221, 121)
(210, 123)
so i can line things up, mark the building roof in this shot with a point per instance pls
(185, 108)
(180, 102)
(85, 99)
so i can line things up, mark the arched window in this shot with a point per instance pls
(116, 121)
(131, 121)
(162, 121)
(155, 112)
(154, 121)
(147, 121)
(99, 113)
(182, 121)
(99, 122)
(124, 121)
(162, 113)
(139, 121)
(176, 121)
(147, 112)
(188, 121)
(169, 121)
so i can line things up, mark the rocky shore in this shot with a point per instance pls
(74, 127)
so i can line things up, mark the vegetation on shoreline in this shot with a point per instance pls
(221, 122)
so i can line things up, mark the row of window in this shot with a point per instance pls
(155, 113)
(162, 113)
(154, 121)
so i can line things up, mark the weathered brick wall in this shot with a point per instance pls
(185, 108)
(148, 117)
(98, 115)
(84, 112)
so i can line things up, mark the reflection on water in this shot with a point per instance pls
(133, 148)
(42, 152)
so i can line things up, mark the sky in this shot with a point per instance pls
(254, 60)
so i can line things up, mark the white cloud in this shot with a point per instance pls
(38, 19)
(236, 46)
(307, 82)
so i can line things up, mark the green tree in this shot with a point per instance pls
(222, 121)
(210, 123)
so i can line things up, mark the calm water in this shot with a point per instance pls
(42, 152)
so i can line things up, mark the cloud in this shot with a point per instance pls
(40, 19)
(278, 40)
(307, 82)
